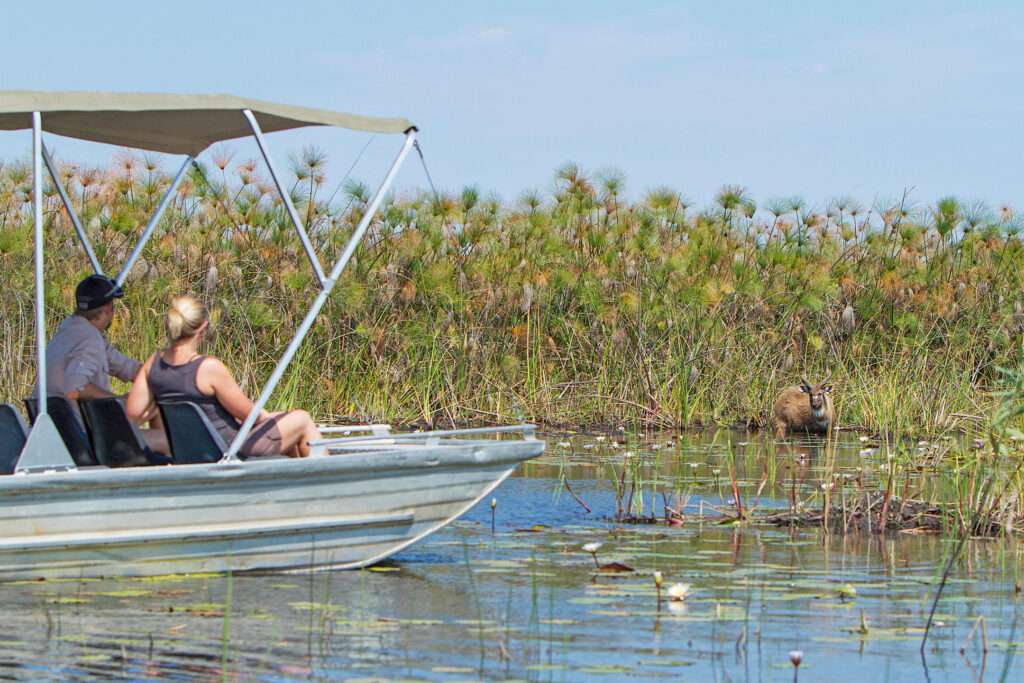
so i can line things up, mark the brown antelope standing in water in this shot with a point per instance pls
(804, 408)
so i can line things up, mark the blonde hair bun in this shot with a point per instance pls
(185, 316)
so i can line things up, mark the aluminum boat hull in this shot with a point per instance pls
(339, 511)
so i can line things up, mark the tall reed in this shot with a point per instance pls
(578, 308)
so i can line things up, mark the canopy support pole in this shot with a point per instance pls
(286, 197)
(321, 299)
(37, 218)
(82, 236)
(151, 226)
(44, 448)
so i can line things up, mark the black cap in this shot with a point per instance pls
(95, 291)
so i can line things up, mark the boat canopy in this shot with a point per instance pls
(175, 124)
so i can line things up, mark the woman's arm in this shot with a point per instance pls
(214, 379)
(140, 404)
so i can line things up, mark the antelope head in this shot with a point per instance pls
(816, 394)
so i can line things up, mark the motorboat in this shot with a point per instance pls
(366, 493)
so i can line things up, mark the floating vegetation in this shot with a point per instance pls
(537, 603)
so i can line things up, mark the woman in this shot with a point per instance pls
(180, 372)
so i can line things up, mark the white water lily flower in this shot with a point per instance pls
(716, 471)
(592, 547)
(796, 657)
(678, 591)
(863, 439)
(564, 444)
(600, 438)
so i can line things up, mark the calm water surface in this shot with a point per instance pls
(526, 604)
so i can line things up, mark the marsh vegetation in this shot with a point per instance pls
(577, 306)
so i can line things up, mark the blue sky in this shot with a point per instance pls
(817, 99)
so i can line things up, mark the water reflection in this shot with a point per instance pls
(525, 602)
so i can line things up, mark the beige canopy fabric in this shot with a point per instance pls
(176, 124)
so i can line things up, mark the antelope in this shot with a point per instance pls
(804, 408)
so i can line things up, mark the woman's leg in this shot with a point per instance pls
(297, 429)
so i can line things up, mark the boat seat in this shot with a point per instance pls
(192, 438)
(69, 426)
(116, 441)
(13, 435)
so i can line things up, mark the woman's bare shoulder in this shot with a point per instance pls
(213, 367)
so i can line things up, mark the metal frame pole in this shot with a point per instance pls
(257, 133)
(151, 226)
(37, 215)
(321, 299)
(82, 237)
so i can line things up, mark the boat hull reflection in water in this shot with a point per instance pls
(347, 510)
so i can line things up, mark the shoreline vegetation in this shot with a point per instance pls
(574, 308)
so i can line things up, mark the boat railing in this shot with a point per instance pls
(345, 430)
(528, 432)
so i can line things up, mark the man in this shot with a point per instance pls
(80, 359)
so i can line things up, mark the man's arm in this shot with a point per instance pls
(121, 366)
(90, 390)
(81, 375)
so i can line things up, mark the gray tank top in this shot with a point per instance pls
(178, 383)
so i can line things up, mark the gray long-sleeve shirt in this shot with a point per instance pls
(79, 354)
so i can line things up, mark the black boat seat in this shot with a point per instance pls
(69, 426)
(13, 435)
(192, 438)
(116, 441)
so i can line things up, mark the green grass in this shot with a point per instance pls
(579, 308)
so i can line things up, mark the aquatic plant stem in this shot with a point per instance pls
(964, 535)
(577, 498)
(226, 627)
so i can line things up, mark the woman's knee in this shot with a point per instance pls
(297, 418)
(307, 421)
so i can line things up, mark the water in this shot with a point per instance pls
(526, 603)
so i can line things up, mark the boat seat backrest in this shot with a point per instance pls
(13, 435)
(116, 441)
(192, 437)
(69, 426)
